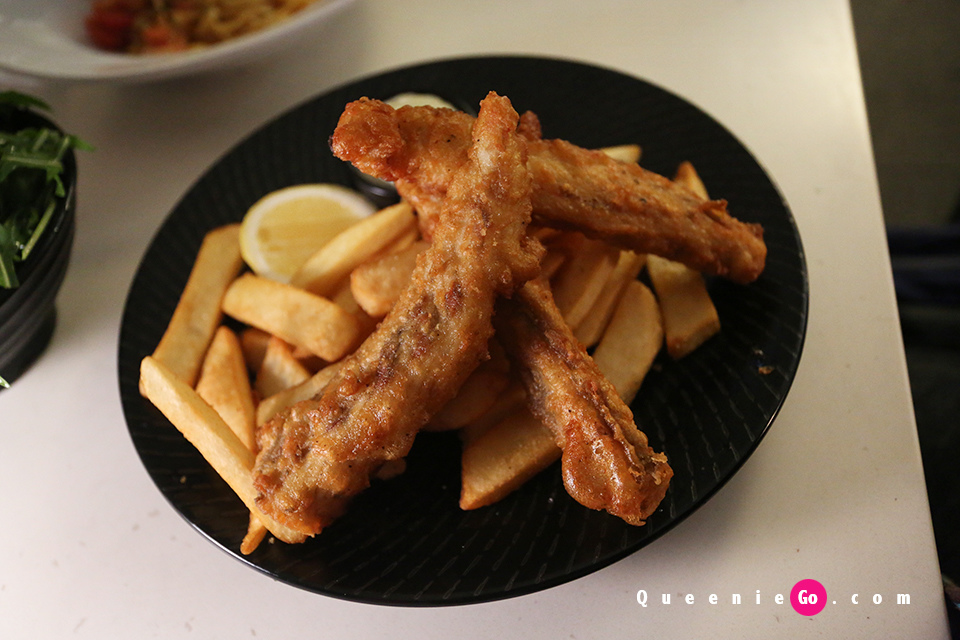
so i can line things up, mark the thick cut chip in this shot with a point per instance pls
(279, 370)
(687, 176)
(301, 318)
(624, 152)
(631, 341)
(328, 268)
(512, 400)
(274, 404)
(591, 328)
(254, 343)
(376, 285)
(225, 385)
(504, 457)
(197, 314)
(689, 316)
(205, 429)
(581, 278)
(479, 393)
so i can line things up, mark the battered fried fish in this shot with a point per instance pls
(607, 463)
(318, 454)
(420, 148)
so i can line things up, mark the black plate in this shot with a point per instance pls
(406, 542)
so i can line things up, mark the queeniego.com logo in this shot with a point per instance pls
(807, 597)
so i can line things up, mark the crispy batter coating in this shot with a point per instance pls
(607, 463)
(318, 454)
(420, 148)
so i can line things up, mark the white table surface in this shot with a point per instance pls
(90, 549)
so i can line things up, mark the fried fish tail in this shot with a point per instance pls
(607, 463)
(320, 453)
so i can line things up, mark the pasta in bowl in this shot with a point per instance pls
(157, 26)
(49, 39)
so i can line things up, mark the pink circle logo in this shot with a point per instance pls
(808, 597)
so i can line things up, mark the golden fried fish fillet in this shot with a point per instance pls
(607, 463)
(420, 148)
(318, 454)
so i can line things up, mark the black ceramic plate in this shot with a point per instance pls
(406, 542)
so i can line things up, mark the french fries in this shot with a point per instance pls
(631, 340)
(272, 405)
(376, 285)
(297, 316)
(689, 316)
(254, 343)
(687, 175)
(279, 370)
(295, 336)
(511, 400)
(478, 394)
(325, 270)
(579, 281)
(623, 152)
(197, 314)
(256, 532)
(591, 328)
(206, 430)
(365, 322)
(504, 457)
(225, 385)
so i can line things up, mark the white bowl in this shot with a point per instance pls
(46, 38)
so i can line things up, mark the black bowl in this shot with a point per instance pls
(28, 313)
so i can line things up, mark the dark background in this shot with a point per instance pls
(910, 60)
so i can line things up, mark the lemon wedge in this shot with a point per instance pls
(285, 227)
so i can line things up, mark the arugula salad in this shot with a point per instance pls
(31, 164)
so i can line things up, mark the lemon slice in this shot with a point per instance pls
(287, 226)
